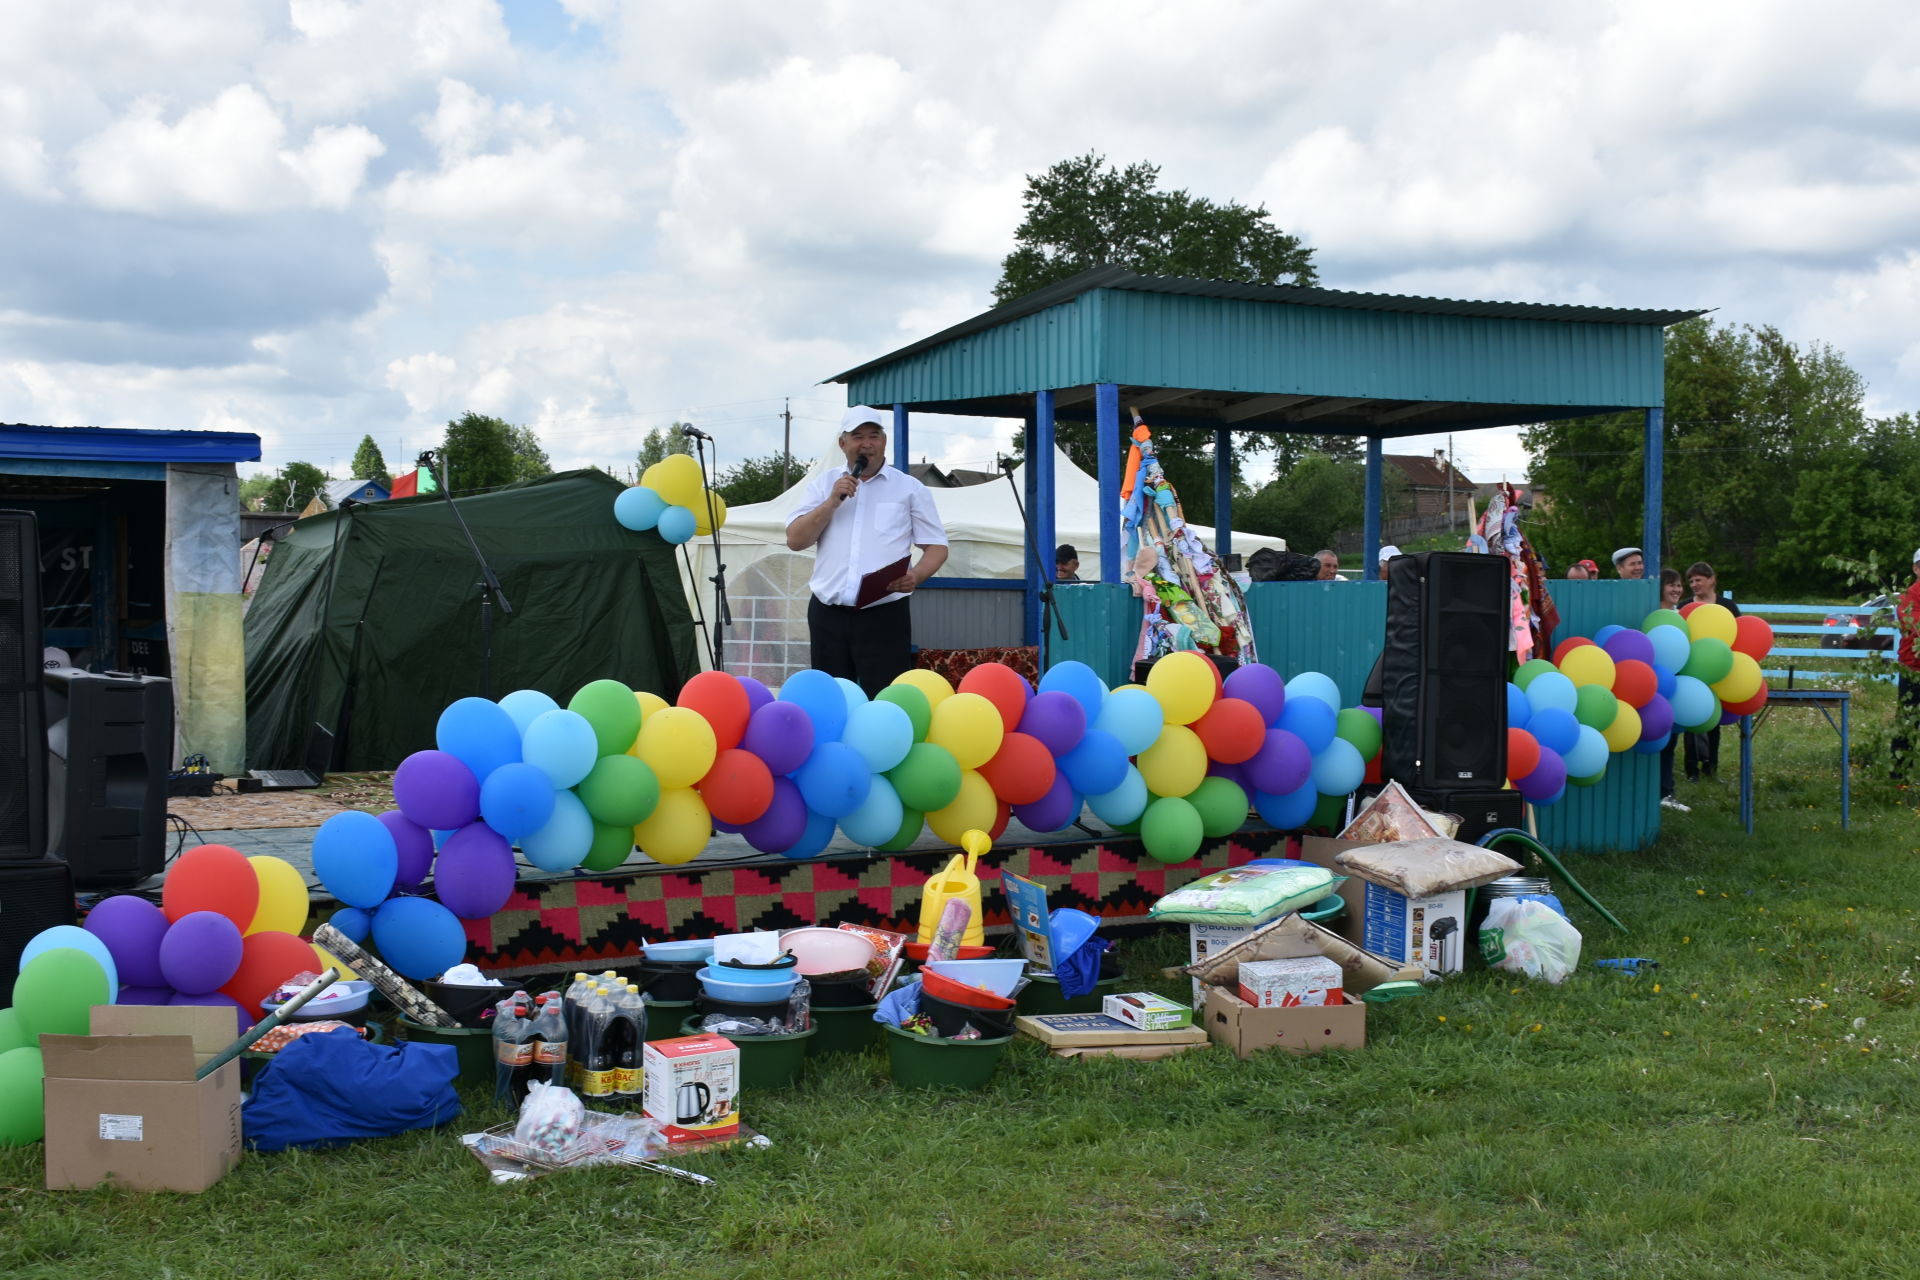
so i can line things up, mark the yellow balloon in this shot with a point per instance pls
(701, 524)
(974, 808)
(649, 703)
(676, 478)
(328, 959)
(1713, 621)
(1588, 664)
(1117, 688)
(1624, 732)
(283, 897)
(1176, 763)
(1743, 681)
(931, 683)
(970, 727)
(1184, 684)
(677, 829)
(678, 745)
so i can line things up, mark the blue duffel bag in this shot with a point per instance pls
(329, 1088)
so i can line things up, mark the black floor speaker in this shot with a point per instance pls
(1479, 811)
(34, 895)
(23, 736)
(1444, 672)
(109, 743)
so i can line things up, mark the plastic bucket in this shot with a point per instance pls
(472, 1045)
(665, 1016)
(467, 1004)
(950, 1019)
(843, 995)
(845, 1029)
(766, 1062)
(671, 980)
(1042, 995)
(1329, 908)
(930, 1062)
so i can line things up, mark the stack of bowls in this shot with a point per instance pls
(750, 991)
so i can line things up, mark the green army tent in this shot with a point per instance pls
(369, 618)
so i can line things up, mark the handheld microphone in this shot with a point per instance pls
(859, 467)
(688, 429)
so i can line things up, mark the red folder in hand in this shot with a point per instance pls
(877, 584)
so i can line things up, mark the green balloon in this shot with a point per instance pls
(55, 991)
(1330, 814)
(1591, 780)
(612, 710)
(1663, 618)
(1595, 707)
(928, 779)
(612, 845)
(22, 1110)
(1361, 729)
(1524, 675)
(913, 702)
(620, 791)
(1128, 828)
(912, 823)
(1171, 829)
(1708, 660)
(1222, 805)
(12, 1034)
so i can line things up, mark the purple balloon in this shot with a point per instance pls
(415, 846)
(780, 734)
(1548, 779)
(1234, 773)
(475, 876)
(1628, 644)
(216, 1000)
(435, 790)
(1059, 806)
(784, 822)
(726, 828)
(200, 952)
(1260, 685)
(144, 995)
(1656, 720)
(1058, 720)
(132, 929)
(1281, 766)
(758, 695)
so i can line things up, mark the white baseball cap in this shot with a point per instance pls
(1388, 552)
(861, 414)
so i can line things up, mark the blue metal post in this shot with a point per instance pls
(1043, 505)
(1651, 500)
(1106, 423)
(900, 436)
(1222, 491)
(1031, 568)
(1370, 535)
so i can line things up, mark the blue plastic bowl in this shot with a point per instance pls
(787, 973)
(748, 992)
(697, 949)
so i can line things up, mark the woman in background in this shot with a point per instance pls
(1670, 592)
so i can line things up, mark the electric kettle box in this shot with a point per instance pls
(1429, 932)
(692, 1087)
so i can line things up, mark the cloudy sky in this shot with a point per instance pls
(314, 219)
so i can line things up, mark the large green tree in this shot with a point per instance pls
(1315, 501)
(481, 452)
(368, 464)
(660, 442)
(291, 489)
(758, 479)
(529, 458)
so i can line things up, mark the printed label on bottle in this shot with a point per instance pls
(550, 1053)
(628, 1080)
(596, 1084)
(510, 1054)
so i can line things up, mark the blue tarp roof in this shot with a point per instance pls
(126, 444)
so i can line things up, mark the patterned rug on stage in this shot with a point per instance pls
(565, 923)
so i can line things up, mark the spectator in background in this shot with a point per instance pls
(1671, 590)
(1066, 563)
(1387, 553)
(1577, 571)
(1329, 566)
(1907, 616)
(1629, 563)
(1702, 750)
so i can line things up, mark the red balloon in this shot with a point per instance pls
(1750, 706)
(1231, 730)
(738, 788)
(1686, 610)
(212, 877)
(1571, 642)
(267, 960)
(722, 701)
(1752, 636)
(1022, 771)
(1523, 753)
(1002, 813)
(1373, 773)
(1634, 682)
(1001, 685)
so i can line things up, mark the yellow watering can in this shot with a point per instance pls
(957, 881)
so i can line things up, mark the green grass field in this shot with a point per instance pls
(1742, 1111)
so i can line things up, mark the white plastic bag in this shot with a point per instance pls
(1525, 936)
(552, 1122)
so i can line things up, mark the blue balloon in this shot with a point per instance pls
(676, 524)
(564, 842)
(1339, 770)
(853, 693)
(74, 937)
(882, 732)
(1654, 746)
(639, 508)
(418, 937)
(834, 780)
(1136, 718)
(1607, 633)
(355, 923)
(878, 818)
(524, 706)
(1663, 678)
(1309, 719)
(1693, 702)
(479, 734)
(815, 693)
(1555, 729)
(1125, 802)
(355, 857)
(1289, 811)
(1671, 646)
(1097, 765)
(516, 800)
(1552, 691)
(1589, 754)
(562, 745)
(1519, 710)
(1081, 683)
(814, 839)
(1314, 684)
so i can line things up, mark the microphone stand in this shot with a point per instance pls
(1049, 619)
(489, 583)
(722, 614)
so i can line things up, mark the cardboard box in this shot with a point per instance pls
(1205, 940)
(1141, 1052)
(1094, 1030)
(1428, 931)
(122, 1103)
(1283, 984)
(1244, 1030)
(692, 1087)
(1146, 1011)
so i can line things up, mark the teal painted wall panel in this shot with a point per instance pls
(1045, 351)
(1103, 626)
(1335, 628)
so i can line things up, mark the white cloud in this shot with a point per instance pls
(346, 56)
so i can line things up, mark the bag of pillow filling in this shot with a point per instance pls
(1246, 895)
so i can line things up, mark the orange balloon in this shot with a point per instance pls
(1022, 771)
(267, 960)
(215, 878)
(1634, 682)
(1571, 642)
(738, 788)
(1001, 685)
(1752, 636)
(1748, 706)
(1231, 730)
(722, 700)
(1523, 754)
(1686, 610)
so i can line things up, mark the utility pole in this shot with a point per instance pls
(1452, 527)
(786, 441)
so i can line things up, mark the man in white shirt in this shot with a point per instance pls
(862, 520)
